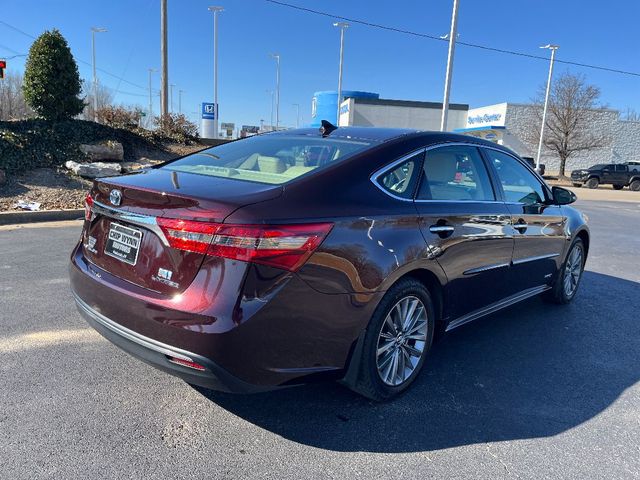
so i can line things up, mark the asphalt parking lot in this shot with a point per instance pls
(535, 391)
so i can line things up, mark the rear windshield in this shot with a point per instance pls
(274, 159)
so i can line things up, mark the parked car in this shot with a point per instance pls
(532, 163)
(619, 175)
(633, 166)
(238, 271)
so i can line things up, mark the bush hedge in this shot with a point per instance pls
(35, 143)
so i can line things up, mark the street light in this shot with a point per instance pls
(271, 92)
(95, 30)
(447, 80)
(342, 26)
(215, 11)
(277, 58)
(151, 71)
(553, 49)
(297, 105)
(180, 92)
(171, 85)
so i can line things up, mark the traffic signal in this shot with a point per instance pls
(3, 65)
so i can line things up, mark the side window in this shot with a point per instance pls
(455, 173)
(401, 179)
(518, 183)
(621, 168)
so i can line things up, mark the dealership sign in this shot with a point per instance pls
(208, 111)
(492, 115)
(484, 119)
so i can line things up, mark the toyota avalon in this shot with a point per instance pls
(306, 255)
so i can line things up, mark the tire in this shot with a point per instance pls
(381, 377)
(593, 182)
(560, 294)
(618, 187)
(635, 186)
(577, 185)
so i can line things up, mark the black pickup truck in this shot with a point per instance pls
(619, 175)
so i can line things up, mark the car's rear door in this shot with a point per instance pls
(538, 224)
(467, 228)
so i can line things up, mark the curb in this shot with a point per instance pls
(11, 218)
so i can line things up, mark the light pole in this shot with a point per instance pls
(271, 92)
(164, 57)
(297, 105)
(277, 57)
(180, 92)
(553, 49)
(95, 30)
(447, 80)
(171, 85)
(215, 11)
(151, 71)
(342, 26)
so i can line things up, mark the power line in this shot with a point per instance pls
(106, 72)
(434, 37)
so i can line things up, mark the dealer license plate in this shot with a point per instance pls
(123, 243)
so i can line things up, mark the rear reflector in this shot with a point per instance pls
(281, 246)
(88, 203)
(185, 363)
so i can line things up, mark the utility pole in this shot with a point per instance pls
(215, 11)
(180, 100)
(277, 58)
(342, 26)
(95, 30)
(164, 56)
(297, 105)
(447, 80)
(553, 49)
(151, 71)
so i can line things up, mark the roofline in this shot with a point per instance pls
(408, 103)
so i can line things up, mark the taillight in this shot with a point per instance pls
(88, 203)
(282, 246)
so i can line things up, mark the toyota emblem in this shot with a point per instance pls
(115, 197)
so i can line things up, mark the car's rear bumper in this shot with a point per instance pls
(253, 328)
(158, 354)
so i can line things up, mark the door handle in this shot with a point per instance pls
(440, 229)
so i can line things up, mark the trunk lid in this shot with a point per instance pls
(123, 236)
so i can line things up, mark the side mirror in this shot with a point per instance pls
(563, 196)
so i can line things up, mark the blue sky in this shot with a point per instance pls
(395, 65)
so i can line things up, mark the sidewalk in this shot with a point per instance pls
(606, 194)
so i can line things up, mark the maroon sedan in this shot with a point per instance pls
(307, 255)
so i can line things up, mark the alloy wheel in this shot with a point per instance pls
(402, 341)
(572, 271)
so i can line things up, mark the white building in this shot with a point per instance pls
(510, 124)
(379, 112)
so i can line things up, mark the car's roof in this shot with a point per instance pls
(374, 134)
(380, 135)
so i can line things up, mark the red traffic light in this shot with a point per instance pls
(3, 64)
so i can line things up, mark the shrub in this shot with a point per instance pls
(177, 128)
(51, 80)
(119, 117)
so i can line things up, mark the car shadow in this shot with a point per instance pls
(533, 370)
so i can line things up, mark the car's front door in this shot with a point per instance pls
(468, 230)
(538, 224)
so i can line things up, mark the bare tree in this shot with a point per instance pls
(104, 94)
(571, 108)
(12, 104)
